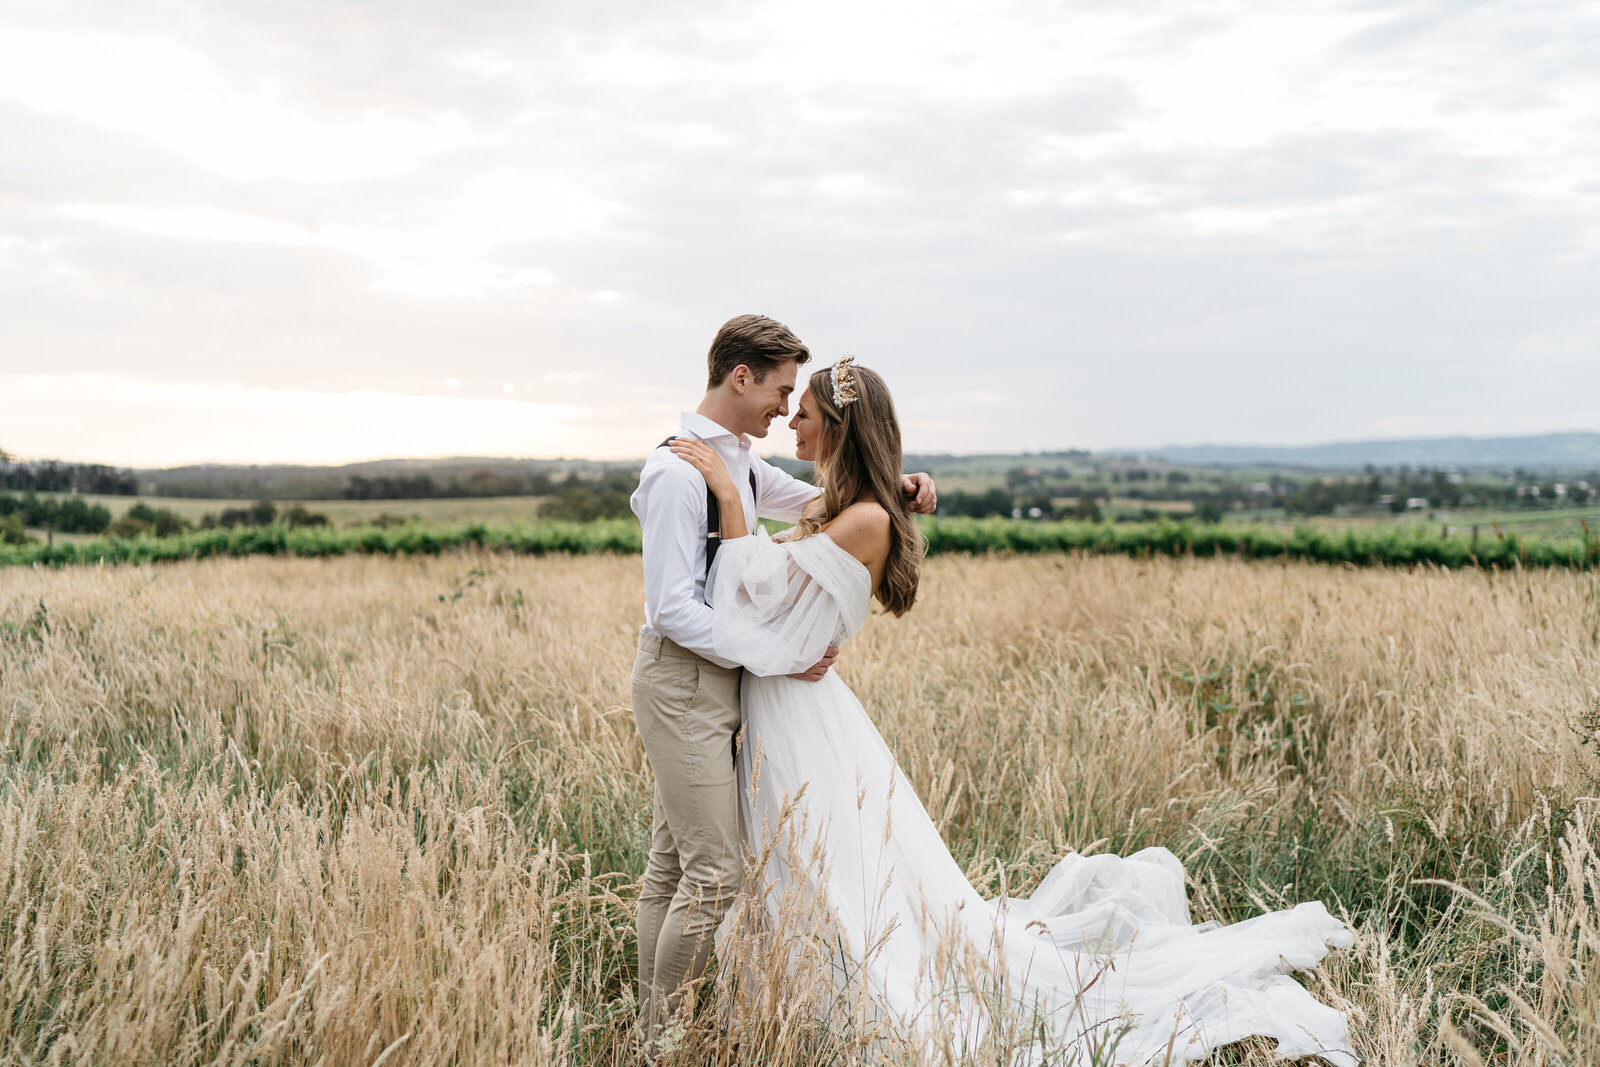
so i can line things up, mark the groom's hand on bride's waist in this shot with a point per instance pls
(920, 493)
(819, 668)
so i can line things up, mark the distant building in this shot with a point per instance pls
(1417, 503)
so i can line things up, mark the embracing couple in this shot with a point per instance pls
(760, 750)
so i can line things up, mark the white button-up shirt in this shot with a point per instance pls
(671, 505)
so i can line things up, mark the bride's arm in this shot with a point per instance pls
(710, 465)
(705, 460)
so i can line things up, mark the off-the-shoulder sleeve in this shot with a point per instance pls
(777, 606)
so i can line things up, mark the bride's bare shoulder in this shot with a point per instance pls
(862, 529)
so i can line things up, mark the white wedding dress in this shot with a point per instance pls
(1100, 964)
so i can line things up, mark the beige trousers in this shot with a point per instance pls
(687, 709)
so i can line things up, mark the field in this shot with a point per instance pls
(1549, 522)
(1564, 522)
(363, 809)
(348, 512)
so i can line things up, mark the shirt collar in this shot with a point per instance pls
(707, 430)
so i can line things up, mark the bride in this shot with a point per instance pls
(1100, 964)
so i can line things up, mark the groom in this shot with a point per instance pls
(685, 696)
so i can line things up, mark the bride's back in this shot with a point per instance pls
(865, 531)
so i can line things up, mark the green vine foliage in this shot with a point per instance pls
(1367, 547)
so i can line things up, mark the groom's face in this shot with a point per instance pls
(767, 399)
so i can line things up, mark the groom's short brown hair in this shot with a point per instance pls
(757, 342)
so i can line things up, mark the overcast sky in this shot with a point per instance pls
(322, 231)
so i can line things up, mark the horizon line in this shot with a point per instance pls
(1135, 451)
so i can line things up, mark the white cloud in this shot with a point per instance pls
(848, 186)
(1094, 224)
(449, 256)
(569, 377)
(460, 278)
(152, 86)
(192, 223)
(67, 416)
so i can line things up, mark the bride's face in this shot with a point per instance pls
(807, 427)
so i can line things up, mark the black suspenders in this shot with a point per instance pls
(714, 516)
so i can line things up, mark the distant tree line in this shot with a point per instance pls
(574, 499)
(1212, 493)
(1406, 488)
(75, 515)
(1004, 503)
(143, 519)
(479, 483)
(164, 522)
(244, 483)
(579, 499)
(996, 501)
(51, 476)
(263, 513)
(70, 514)
(396, 481)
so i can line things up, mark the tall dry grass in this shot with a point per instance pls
(393, 810)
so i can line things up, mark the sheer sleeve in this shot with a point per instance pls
(776, 607)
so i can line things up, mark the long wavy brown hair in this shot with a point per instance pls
(860, 459)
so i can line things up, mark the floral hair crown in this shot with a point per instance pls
(844, 384)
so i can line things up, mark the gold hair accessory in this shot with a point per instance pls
(844, 384)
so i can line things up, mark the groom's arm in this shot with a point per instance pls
(924, 496)
(782, 496)
(671, 505)
(779, 494)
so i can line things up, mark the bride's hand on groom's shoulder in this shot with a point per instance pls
(921, 493)
(703, 458)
